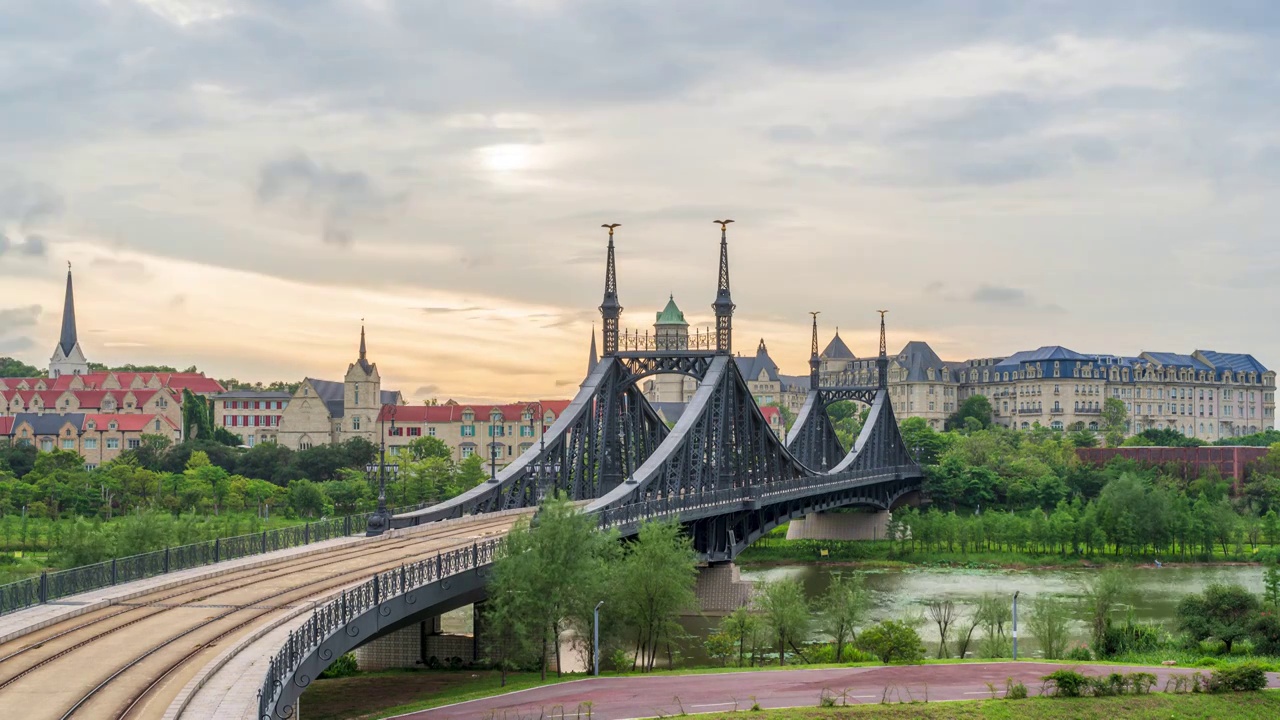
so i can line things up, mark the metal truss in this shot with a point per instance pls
(604, 435)
(643, 364)
(813, 437)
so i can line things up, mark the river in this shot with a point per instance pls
(894, 594)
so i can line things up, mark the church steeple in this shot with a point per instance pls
(68, 358)
(68, 340)
(363, 362)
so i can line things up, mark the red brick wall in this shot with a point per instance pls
(1232, 461)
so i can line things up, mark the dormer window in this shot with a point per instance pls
(91, 425)
(112, 426)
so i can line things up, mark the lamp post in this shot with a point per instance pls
(595, 653)
(542, 444)
(380, 520)
(1015, 624)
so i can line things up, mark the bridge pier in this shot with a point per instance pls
(868, 525)
(721, 589)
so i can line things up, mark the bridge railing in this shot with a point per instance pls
(634, 513)
(56, 584)
(334, 616)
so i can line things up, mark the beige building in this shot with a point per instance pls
(98, 438)
(920, 383)
(323, 411)
(497, 432)
(252, 415)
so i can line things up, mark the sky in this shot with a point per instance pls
(239, 184)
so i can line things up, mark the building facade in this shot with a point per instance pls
(99, 438)
(324, 411)
(494, 432)
(252, 415)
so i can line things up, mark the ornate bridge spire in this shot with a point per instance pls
(882, 364)
(724, 303)
(814, 362)
(610, 310)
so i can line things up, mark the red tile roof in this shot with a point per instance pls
(128, 423)
(511, 412)
(6, 425)
(196, 382)
(772, 415)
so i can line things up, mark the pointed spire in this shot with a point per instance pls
(67, 341)
(610, 309)
(814, 362)
(724, 302)
(363, 361)
(592, 360)
(882, 364)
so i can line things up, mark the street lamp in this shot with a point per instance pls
(1015, 624)
(595, 654)
(380, 520)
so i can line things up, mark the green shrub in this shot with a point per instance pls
(825, 654)
(1014, 690)
(1207, 662)
(1079, 654)
(1140, 683)
(1067, 683)
(892, 642)
(344, 666)
(1245, 677)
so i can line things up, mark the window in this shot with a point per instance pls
(68, 444)
(357, 402)
(496, 431)
(91, 443)
(431, 431)
(526, 431)
(135, 443)
(468, 431)
(415, 432)
(355, 423)
(113, 443)
(468, 451)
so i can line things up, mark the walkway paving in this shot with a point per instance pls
(620, 698)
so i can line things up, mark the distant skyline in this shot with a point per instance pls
(238, 183)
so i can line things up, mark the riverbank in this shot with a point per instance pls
(886, 555)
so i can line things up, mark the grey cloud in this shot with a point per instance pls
(449, 310)
(12, 345)
(19, 316)
(998, 295)
(28, 204)
(35, 246)
(133, 269)
(344, 199)
(427, 391)
(4, 244)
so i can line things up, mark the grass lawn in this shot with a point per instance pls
(1241, 706)
(392, 692)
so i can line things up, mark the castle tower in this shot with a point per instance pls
(671, 334)
(362, 397)
(68, 358)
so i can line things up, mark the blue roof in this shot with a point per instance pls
(49, 424)
(1047, 352)
(1177, 360)
(1236, 362)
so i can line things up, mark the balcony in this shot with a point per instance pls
(1030, 411)
(1089, 411)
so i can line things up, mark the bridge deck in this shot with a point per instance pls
(131, 658)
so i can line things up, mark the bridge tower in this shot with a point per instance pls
(815, 362)
(610, 309)
(724, 303)
(882, 362)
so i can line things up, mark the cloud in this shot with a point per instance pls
(11, 318)
(451, 310)
(28, 204)
(426, 391)
(35, 246)
(343, 199)
(999, 295)
(133, 270)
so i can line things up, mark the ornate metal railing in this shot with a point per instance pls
(636, 341)
(48, 586)
(334, 616)
(666, 507)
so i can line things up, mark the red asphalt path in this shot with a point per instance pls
(619, 698)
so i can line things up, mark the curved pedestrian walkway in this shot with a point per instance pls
(623, 698)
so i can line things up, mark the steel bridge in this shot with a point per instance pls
(720, 471)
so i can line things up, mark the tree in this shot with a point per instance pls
(1271, 584)
(977, 407)
(1050, 625)
(892, 642)
(843, 606)
(150, 451)
(925, 443)
(197, 423)
(785, 611)
(656, 583)
(306, 498)
(548, 574)
(1102, 593)
(741, 626)
(1225, 612)
(994, 612)
(943, 613)
(429, 447)
(1162, 437)
(1115, 421)
(12, 368)
(266, 461)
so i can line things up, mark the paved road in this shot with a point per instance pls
(639, 697)
(131, 658)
